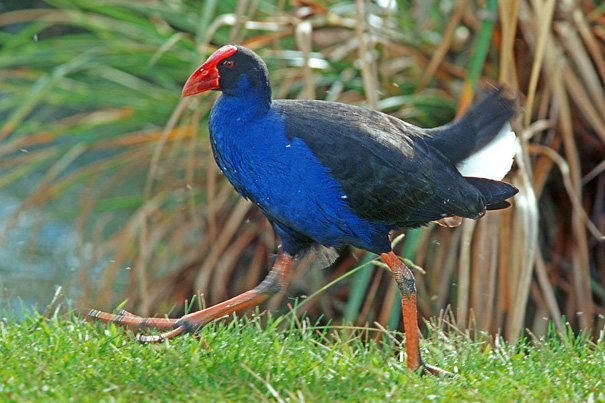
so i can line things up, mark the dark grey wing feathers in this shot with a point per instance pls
(385, 167)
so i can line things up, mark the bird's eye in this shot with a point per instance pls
(228, 63)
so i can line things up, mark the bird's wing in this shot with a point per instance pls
(387, 171)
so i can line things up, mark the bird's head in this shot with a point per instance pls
(226, 70)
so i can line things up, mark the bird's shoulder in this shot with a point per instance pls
(337, 123)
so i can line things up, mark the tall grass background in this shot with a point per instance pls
(94, 135)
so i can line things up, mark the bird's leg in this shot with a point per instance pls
(273, 283)
(407, 285)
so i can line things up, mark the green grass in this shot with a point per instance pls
(284, 359)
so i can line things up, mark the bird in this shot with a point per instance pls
(333, 174)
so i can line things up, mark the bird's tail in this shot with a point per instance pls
(494, 192)
(481, 144)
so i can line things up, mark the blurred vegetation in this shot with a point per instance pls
(93, 132)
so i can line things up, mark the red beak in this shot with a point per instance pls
(206, 77)
(203, 79)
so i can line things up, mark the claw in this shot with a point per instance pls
(159, 338)
(124, 312)
(435, 371)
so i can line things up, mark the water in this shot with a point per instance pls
(38, 254)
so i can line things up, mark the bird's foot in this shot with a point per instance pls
(425, 368)
(191, 322)
(172, 327)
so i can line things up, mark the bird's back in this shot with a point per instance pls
(387, 168)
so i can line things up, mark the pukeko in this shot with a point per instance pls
(332, 174)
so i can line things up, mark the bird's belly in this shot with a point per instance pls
(295, 191)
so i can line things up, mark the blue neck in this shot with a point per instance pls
(245, 102)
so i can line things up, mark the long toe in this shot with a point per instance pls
(435, 371)
(125, 318)
(158, 338)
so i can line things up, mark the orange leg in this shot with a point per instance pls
(273, 283)
(407, 285)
